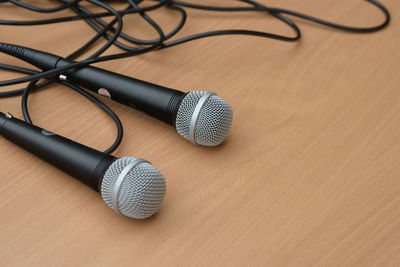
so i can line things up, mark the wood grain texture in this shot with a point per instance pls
(310, 174)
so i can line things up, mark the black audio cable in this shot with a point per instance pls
(76, 88)
(85, 14)
(112, 32)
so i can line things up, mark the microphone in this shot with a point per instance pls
(203, 118)
(131, 187)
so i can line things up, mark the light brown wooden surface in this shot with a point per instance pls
(310, 173)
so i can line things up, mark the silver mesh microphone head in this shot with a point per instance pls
(203, 118)
(133, 187)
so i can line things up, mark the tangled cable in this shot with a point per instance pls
(112, 33)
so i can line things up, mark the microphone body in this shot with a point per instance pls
(201, 117)
(81, 162)
(157, 101)
(131, 187)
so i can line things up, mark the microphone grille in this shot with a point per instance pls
(133, 187)
(204, 118)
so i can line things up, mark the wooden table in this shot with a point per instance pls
(310, 173)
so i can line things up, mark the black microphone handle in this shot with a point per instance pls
(84, 163)
(157, 101)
